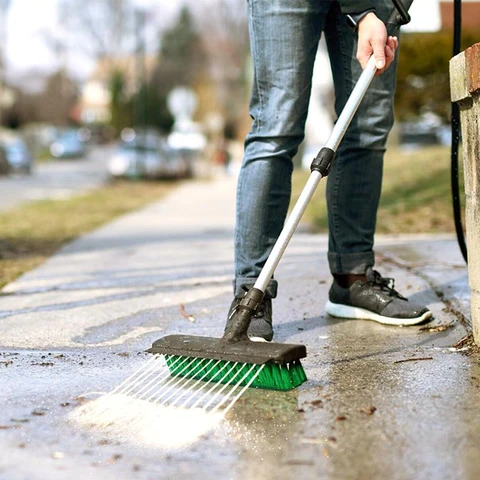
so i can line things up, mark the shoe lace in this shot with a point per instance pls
(386, 284)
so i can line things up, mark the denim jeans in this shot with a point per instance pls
(284, 36)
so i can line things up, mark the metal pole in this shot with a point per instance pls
(140, 101)
(333, 141)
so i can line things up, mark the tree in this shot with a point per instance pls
(53, 105)
(223, 26)
(181, 61)
(102, 28)
(156, 113)
(423, 78)
(120, 106)
(181, 56)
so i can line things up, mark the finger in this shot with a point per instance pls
(390, 57)
(363, 55)
(389, 53)
(392, 43)
(379, 54)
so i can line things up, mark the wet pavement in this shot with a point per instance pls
(380, 402)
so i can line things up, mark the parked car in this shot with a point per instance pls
(428, 129)
(67, 145)
(15, 157)
(147, 156)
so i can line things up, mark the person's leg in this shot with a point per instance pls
(284, 36)
(354, 183)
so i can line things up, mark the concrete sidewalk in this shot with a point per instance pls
(81, 323)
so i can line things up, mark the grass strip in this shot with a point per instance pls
(415, 198)
(31, 233)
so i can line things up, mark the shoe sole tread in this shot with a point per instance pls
(356, 313)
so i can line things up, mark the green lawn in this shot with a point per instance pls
(31, 233)
(416, 194)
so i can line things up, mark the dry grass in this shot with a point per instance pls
(416, 194)
(33, 232)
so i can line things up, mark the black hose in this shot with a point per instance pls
(455, 116)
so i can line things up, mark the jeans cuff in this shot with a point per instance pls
(238, 291)
(354, 263)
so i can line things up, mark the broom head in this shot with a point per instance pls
(191, 357)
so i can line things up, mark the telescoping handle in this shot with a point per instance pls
(321, 165)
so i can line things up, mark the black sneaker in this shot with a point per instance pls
(376, 299)
(260, 328)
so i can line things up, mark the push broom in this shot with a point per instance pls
(234, 358)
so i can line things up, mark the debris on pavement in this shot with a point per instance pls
(191, 318)
(437, 328)
(368, 411)
(38, 412)
(413, 359)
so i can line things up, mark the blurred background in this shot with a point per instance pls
(167, 81)
(97, 93)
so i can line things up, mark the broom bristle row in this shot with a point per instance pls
(271, 376)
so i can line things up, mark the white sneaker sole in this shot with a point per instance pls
(357, 313)
(259, 339)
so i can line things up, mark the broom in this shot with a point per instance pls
(237, 359)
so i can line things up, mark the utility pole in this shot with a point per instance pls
(141, 110)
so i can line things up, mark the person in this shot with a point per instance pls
(284, 36)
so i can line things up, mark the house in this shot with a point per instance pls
(95, 96)
(470, 14)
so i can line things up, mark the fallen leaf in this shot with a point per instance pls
(38, 412)
(368, 411)
(436, 328)
(114, 459)
(185, 314)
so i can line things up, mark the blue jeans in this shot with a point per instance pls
(284, 36)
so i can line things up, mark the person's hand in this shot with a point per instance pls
(373, 39)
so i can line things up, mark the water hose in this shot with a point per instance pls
(455, 123)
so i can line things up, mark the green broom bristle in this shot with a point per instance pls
(272, 376)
